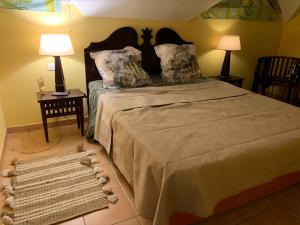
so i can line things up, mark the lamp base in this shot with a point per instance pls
(63, 93)
(226, 65)
(60, 87)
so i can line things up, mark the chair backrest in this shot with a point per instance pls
(272, 70)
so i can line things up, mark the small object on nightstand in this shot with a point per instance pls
(55, 106)
(41, 84)
(235, 80)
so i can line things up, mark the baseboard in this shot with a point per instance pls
(3, 146)
(37, 126)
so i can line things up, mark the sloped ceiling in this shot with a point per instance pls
(145, 9)
(181, 10)
(288, 8)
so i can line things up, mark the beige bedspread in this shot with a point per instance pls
(184, 148)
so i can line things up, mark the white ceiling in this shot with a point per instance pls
(145, 9)
(181, 10)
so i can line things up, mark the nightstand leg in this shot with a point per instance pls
(81, 115)
(45, 125)
(78, 117)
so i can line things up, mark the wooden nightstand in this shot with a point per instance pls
(55, 106)
(235, 80)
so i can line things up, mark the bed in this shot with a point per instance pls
(194, 150)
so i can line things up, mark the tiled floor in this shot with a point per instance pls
(282, 208)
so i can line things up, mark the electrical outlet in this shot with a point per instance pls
(51, 67)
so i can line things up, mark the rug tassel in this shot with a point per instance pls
(6, 220)
(91, 152)
(8, 191)
(13, 181)
(86, 161)
(6, 211)
(107, 192)
(97, 169)
(93, 160)
(80, 148)
(6, 183)
(10, 202)
(103, 179)
(9, 173)
(14, 162)
(111, 197)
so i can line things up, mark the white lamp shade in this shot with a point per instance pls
(230, 43)
(56, 45)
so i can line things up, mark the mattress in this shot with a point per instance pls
(184, 148)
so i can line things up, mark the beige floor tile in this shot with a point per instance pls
(9, 155)
(256, 208)
(129, 193)
(125, 185)
(246, 223)
(101, 156)
(76, 221)
(145, 221)
(133, 221)
(276, 216)
(297, 185)
(33, 141)
(228, 218)
(293, 208)
(297, 188)
(284, 195)
(116, 213)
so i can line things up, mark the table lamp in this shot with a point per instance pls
(228, 43)
(57, 45)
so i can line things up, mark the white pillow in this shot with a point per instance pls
(178, 62)
(121, 68)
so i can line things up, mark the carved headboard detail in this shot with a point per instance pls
(127, 36)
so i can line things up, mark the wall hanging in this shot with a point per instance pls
(267, 10)
(33, 5)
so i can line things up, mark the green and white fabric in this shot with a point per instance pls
(178, 63)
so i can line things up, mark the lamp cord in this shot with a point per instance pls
(69, 17)
(12, 148)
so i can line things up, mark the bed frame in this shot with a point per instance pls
(127, 36)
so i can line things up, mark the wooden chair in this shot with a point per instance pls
(272, 77)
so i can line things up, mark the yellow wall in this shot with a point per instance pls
(2, 128)
(290, 37)
(21, 65)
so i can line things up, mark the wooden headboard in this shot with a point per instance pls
(127, 36)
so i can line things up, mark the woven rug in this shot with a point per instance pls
(53, 189)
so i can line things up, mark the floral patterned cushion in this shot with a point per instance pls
(178, 62)
(121, 68)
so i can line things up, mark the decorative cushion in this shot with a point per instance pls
(294, 73)
(178, 62)
(121, 68)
